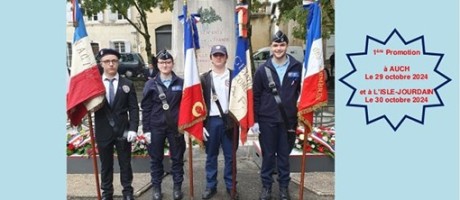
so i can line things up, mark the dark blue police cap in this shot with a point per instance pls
(280, 37)
(164, 55)
(104, 52)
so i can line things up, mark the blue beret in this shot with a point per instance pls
(104, 52)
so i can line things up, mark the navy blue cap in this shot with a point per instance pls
(104, 52)
(164, 55)
(218, 49)
(279, 37)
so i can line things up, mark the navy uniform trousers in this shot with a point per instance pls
(275, 150)
(156, 151)
(217, 137)
(106, 151)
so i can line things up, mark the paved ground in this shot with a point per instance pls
(318, 186)
(82, 187)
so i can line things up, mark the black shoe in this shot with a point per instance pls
(128, 197)
(209, 192)
(266, 194)
(229, 192)
(284, 194)
(157, 193)
(107, 196)
(177, 192)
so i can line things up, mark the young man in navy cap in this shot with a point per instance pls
(160, 111)
(276, 88)
(219, 128)
(116, 125)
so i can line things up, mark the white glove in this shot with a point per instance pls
(147, 137)
(205, 134)
(255, 128)
(131, 136)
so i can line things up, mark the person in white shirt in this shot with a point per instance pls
(219, 127)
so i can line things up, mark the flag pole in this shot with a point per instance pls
(304, 160)
(93, 146)
(235, 144)
(307, 128)
(316, 96)
(190, 153)
(190, 165)
(94, 98)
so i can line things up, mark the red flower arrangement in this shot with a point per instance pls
(79, 142)
(321, 140)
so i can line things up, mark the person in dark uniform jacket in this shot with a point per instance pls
(277, 134)
(116, 125)
(160, 111)
(218, 131)
(152, 70)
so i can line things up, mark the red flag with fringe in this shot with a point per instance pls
(192, 108)
(314, 91)
(86, 91)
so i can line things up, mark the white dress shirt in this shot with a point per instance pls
(107, 83)
(221, 84)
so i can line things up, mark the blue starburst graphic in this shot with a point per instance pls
(395, 79)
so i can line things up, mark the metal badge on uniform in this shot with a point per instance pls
(165, 107)
(125, 88)
(214, 97)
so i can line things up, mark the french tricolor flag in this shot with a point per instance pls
(86, 91)
(192, 108)
(314, 91)
(241, 104)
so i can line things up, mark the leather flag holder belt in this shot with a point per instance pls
(165, 106)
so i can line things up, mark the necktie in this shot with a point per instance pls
(111, 92)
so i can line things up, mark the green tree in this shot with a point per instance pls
(293, 10)
(92, 7)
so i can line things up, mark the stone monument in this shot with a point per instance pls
(216, 26)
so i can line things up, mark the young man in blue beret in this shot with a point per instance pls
(219, 128)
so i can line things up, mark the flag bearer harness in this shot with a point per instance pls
(215, 98)
(272, 86)
(165, 106)
(290, 132)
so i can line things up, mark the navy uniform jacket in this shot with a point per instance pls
(153, 115)
(265, 106)
(124, 113)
